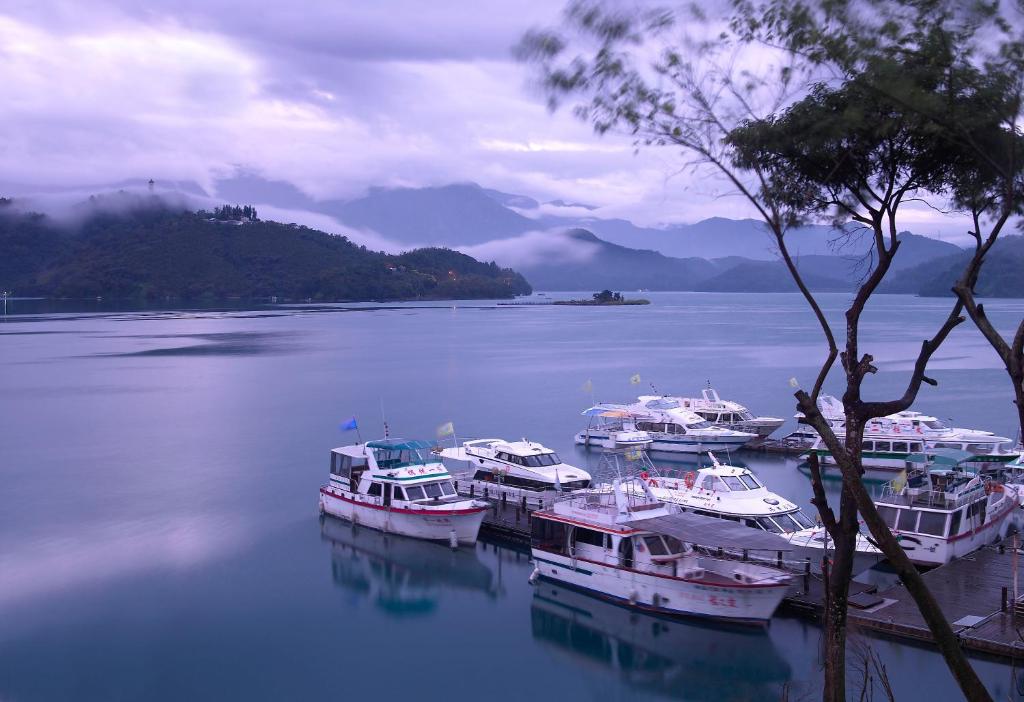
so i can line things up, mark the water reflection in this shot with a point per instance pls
(402, 576)
(680, 658)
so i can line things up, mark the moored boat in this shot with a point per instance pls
(735, 493)
(626, 545)
(729, 414)
(512, 470)
(942, 514)
(669, 427)
(400, 486)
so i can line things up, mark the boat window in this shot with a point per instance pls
(447, 488)
(655, 545)
(801, 519)
(698, 425)
(734, 483)
(750, 481)
(908, 520)
(414, 492)
(888, 515)
(769, 525)
(882, 446)
(588, 536)
(900, 447)
(746, 416)
(548, 535)
(916, 447)
(432, 489)
(934, 424)
(932, 523)
(542, 459)
(954, 523)
(979, 448)
(374, 490)
(674, 544)
(396, 492)
(948, 444)
(867, 446)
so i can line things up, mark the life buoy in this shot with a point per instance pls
(919, 430)
(690, 478)
(992, 487)
(644, 475)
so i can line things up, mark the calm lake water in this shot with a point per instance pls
(158, 528)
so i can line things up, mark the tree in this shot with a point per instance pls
(867, 153)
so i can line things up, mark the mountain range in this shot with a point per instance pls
(560, 245)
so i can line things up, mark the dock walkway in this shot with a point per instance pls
(972, 592)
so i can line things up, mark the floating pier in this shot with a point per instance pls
(975, 592)
(976, 595)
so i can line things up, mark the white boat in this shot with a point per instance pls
(736, 494)
(401, 487)
(940, 515)
(669, 427)
(512, 470)
(729, 414)
(631, 548)
(902, 440)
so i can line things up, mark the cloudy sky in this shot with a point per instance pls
(332, 96)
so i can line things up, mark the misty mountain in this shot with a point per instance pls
(614, 267)
(1000, 275)
(450, 215)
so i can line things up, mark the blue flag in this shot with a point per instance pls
(350, 425)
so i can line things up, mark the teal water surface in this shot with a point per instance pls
(158, 529)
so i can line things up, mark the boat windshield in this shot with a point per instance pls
(541, 459)
(750, 481)
(395, 458)
(699, 425)
(934, 424)
(769, 524)
(801, 519)
(663, 404)
(734, 483)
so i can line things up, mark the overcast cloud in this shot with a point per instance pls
(331, 96)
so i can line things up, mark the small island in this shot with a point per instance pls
(605, 297)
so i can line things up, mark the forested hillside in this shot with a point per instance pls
(154, 252)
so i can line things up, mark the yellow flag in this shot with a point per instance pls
(900, 481)
(446, 429)
(635, 379)
(588, 386)
(793, 383)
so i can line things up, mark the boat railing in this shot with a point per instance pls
(934, 499)
(527, 499)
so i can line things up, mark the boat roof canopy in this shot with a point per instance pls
(400, 444)
(712, 531)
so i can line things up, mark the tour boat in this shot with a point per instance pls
(400, 486)
(729, 414)
(512, 470)
(630, 547)
(939, 515)
(669, 426)
(735, 493)
(903, 440)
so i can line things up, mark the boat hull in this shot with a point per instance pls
(665, 595)
(429, 524)
(662, 443)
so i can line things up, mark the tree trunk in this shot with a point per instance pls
(946, 641)
(837, 591)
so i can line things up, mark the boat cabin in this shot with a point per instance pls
(392, 470)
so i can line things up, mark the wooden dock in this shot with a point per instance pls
(976, 595)
(975, 592)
